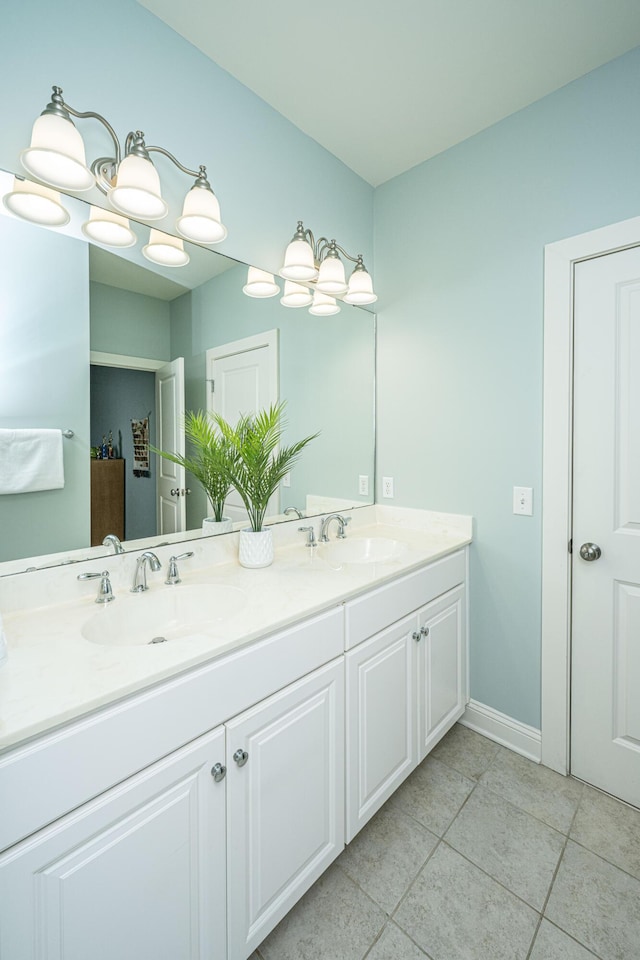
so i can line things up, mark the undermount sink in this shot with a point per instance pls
(364, 550)
(181, 612)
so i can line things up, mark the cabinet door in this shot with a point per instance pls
(441, 670)
(138, 872)
(381, 720)
(285, 802)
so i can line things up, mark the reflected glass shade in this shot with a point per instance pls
(165, 249)
(331, 278)
(260, 284)
(36, 203)
(137, 191)
(323, 306)
(295, 295)
(200, 220)
(298, 262)
(360, 289)
(108, 228)
(56, 154)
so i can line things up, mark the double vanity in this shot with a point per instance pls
(179, 766)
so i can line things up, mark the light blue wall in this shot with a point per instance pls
(129, 323)
(459, 263)
(44, 380)
(131, 67)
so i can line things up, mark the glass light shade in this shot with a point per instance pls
(323, 306)
(360, 289)
(260, 284)
(108, 228)
(331, 278)
(295, 295)
(200, 220)
(32, 201)
(165, 249)
(298, 262)
(137, 190)
(56, 154)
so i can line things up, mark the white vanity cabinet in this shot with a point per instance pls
(406, 684)
(138, 872)
(285, 802)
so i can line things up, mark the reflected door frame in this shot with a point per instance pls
(559, 261)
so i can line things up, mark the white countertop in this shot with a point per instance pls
(53, 674)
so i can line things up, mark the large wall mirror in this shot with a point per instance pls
(84, 332)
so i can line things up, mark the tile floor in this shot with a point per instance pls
(480, 855)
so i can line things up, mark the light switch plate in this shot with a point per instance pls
(523, 501)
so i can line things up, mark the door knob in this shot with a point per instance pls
(590, 551)
(174, 492)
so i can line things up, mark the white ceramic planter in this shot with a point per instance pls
(256, 548)
(211, 527)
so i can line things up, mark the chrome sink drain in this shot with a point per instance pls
(158, 640)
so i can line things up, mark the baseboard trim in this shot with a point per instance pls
(497, 726)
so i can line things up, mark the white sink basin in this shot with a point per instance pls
(363, 550)
(172, 613)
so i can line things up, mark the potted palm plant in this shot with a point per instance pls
(256, 464)
(207, 463)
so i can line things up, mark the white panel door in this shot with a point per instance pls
(137, 873)
(171, 492)
(285, 802)
(242, 377)
(441, 667)
(605, 661)
(381, 720)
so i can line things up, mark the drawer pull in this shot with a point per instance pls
(218, 772)
(416, 636)
(424, 631)
(241, 757)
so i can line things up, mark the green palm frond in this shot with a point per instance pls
(207, 458)
(256, 464)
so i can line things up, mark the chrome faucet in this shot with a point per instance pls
(105, 593)
(173, 575)
(112, 541)
(140, 576)
(342, 522)
(299, 514)
(311, 536)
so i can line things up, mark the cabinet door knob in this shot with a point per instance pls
(241, 757)
(218, 772)
(416, 635)
(424, 631)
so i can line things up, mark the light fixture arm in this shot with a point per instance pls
(200, 174)
(60, 108)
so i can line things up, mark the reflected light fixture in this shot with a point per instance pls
(108, 228)
(131, 183)
(260, 284)
(296, 295)
(166, 250)
(323, 305)
(36, 203)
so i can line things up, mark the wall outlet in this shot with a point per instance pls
(387, 487)
(286, 480)
(363, 486)
(523, 501)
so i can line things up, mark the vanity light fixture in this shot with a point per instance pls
(131, 183)
(36, 203)
(308, 259)
(260, 284)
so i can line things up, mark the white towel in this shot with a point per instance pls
(30, 460)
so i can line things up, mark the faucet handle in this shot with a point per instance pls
(173, 576)
(105, 592)
(311, 536)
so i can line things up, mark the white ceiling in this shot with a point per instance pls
(384, 85)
